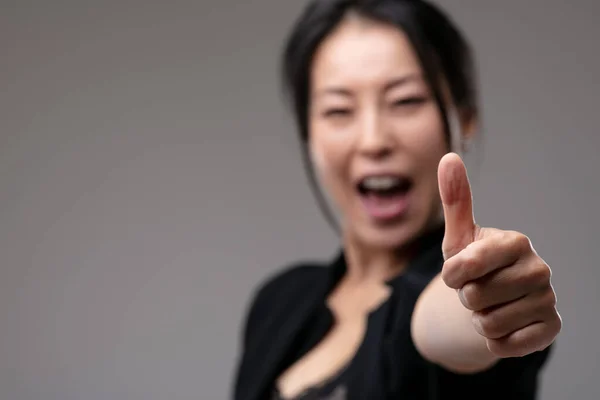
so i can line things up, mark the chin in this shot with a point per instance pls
(391, 237)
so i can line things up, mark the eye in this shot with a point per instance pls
(410, 101)
(337, 112)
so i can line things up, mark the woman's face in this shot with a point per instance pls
(376, 135)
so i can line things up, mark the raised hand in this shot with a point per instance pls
(497, 273)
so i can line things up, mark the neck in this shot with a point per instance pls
(370, 264)
(366, 263)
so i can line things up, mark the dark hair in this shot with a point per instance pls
(442, 51)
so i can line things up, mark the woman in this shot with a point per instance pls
(421, 303)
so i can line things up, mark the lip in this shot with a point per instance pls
(379, 173)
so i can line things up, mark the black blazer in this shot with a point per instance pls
(282, 306)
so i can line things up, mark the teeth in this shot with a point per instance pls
(380, 182)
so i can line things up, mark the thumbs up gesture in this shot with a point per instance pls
(497, 274)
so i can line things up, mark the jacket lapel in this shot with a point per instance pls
(290, 314)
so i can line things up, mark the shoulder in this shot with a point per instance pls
(288, 284)
(288, 281)
(269, 307)
(291, 277)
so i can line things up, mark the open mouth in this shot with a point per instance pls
(385, 197)
(384, 186)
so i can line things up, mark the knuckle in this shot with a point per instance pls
(545, 306)
(542, 274)
(520, 241)
(472, 260)
(450, 273)
(553, 328)
(489, 325)
(472, 296)
(505, 236)
(549, 299)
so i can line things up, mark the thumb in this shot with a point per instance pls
(455, 191)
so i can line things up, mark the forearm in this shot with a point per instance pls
(443, 332)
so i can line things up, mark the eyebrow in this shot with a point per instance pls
(394, 83)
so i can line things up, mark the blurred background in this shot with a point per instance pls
(150, 178)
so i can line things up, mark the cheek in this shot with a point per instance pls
(423, 137)
(428, 132)
(424, 141)
(318, 159)
(330, 162)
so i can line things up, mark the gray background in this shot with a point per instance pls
(150, 178)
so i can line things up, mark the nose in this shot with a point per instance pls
(375, 140)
